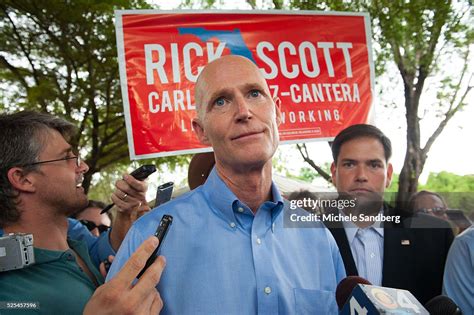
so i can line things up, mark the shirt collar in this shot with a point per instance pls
(44, 256)
(224, 202)
(277, 200)
(351, 228)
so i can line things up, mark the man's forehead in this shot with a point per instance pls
(361, 142)
(224, 87)
(229, 61)
(429, 198)
(227, 73)
(54, 142)
(235, 80)
(362, 148)
(231, 68)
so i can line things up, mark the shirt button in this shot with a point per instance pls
(259, 241)
(240, 209)
(372, 255)
(267, 290)
(232, 224)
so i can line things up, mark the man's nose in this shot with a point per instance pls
(84, 167)
(95, 232)
(361, 174)
(242, 109)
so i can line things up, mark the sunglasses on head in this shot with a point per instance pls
(91, 225)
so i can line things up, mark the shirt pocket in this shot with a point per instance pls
(315, 302)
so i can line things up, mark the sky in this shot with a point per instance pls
(452, 150)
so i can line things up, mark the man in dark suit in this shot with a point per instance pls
(407, 252)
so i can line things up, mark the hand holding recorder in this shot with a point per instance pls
(129, 196)
(130, 191)
(119, 296)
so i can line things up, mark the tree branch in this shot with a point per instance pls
(14, 71)
(307, 159)
(449, 114)
(117, 158)
(278, 4)
(252, 4)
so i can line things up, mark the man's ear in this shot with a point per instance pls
(389, 175)
(277, 102)
(199, 131)
(333, 173)
(20, 180)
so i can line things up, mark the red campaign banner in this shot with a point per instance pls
(318, 63)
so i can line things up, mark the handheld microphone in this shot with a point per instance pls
(366, 299)
(442, 305)
(345, 288)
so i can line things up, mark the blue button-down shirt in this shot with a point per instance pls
(459, 271)
(223, 259)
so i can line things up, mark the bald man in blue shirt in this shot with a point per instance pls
(228, 251)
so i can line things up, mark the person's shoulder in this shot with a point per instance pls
(182, 205)
(14, 285)
(14, 281)
(314, 227)
(467, 236)
(6, 277)
(462, 249)
(185, 202)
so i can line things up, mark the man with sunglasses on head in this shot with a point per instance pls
(428, 202)
(40, 187)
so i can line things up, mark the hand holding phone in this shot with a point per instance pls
(140, 174)
(141, 297)
(160, 233)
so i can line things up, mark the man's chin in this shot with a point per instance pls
(364, 202)
(81, 196)
(251, 159)
(368, 204)
(79, 205)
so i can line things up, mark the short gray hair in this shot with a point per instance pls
(21, 141)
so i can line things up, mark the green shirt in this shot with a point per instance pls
(55, 281)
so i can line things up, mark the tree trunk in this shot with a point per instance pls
(86, 183)
(414, 157)
(408, 180)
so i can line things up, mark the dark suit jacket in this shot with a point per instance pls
(413, 258)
